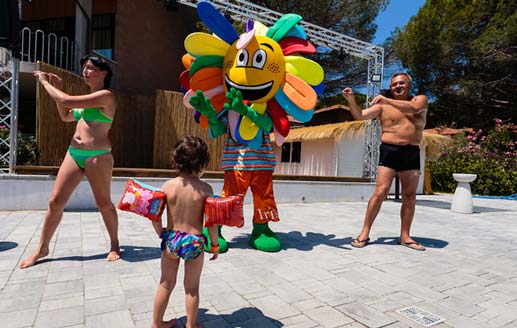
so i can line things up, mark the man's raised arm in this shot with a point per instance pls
(416, 105)
(356, 112)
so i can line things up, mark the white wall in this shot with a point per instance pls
(326, 157)
(316, 159)
(349, 152)
(31, 192)
(320, 158)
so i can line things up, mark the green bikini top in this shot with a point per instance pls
(90, 115)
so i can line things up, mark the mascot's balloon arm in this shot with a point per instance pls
(216, 128)
(236, 104)
(202, 104)
(262, 121)
(217, 124)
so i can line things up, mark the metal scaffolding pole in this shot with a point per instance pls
(14, 113)
(9, 68)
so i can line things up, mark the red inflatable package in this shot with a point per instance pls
(226, 211)
(143, 199)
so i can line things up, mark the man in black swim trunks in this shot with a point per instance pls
(402, 121)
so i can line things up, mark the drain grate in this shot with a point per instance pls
(426, 319)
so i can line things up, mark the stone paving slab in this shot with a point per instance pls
(467, 275)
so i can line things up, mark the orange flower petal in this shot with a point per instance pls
(207, 78)
(187, 60)
(299, 92)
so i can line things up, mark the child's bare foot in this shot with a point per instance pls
(31, 260)
(114, 253)
(197, 325)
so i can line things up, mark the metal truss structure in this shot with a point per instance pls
(240, 9)
(9, 67)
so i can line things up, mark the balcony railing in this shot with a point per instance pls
(48, 48)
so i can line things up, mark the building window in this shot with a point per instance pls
(291, 152)
(103, 35)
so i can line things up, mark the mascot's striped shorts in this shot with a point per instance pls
(251, 168)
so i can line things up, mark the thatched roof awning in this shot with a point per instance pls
(434, 143)
(326, 131)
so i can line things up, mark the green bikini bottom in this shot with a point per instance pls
(80, 156)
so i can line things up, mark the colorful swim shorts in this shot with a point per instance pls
(183, 245)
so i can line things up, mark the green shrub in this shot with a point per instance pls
(26, 152)
(492, 156)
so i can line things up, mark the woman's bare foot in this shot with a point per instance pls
(114, 253)
(31, 260)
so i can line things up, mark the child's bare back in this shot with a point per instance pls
(186, 196)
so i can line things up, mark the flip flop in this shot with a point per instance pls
(413, 245)
(359, 243)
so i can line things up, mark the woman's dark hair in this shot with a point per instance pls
(190, 155)
(101, 64)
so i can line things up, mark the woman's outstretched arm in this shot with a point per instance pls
(103, 99)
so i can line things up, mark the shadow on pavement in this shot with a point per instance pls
(296, 240)
(447, 206)
(74, 258)
(245, 317)
(7, 245)
(127, 253)
(139, 253)
(426, 242)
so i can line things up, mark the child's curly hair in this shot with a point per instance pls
(190, 155)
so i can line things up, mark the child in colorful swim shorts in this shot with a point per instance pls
(183, 238)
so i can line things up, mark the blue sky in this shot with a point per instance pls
(396, 15)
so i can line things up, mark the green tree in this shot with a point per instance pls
(464, 54)
(350, 17)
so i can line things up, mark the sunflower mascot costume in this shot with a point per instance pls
(245, 87)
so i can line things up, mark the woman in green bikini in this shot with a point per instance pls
(89, 152)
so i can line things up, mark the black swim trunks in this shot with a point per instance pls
(400, 157)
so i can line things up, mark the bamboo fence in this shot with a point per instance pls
(172, 121)
(52, 134)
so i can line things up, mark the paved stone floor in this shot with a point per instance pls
(467, 276)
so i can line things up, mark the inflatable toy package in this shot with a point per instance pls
(226, 211)
(143, 199)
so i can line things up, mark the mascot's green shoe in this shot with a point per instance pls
(223, 245)
(264, 239)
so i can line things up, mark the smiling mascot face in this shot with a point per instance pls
(257, 70)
